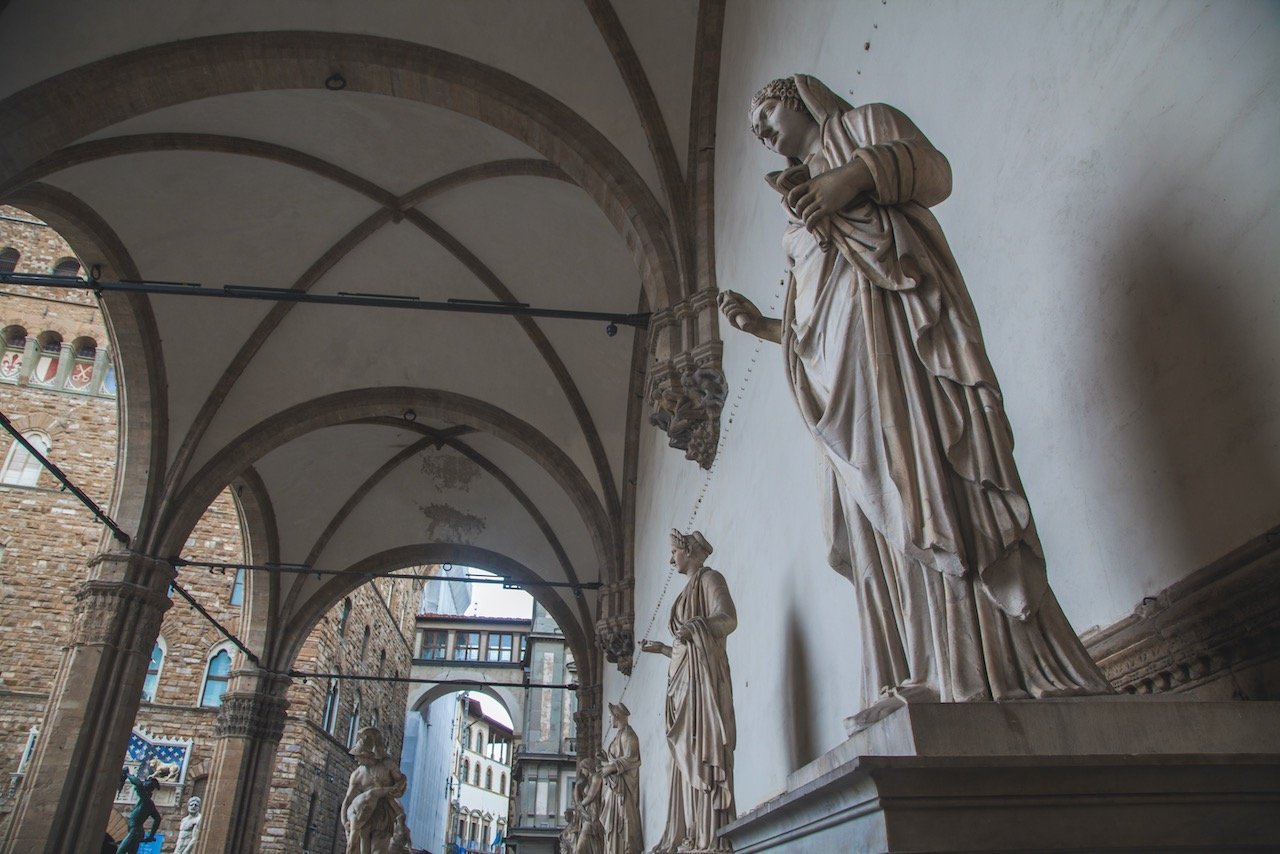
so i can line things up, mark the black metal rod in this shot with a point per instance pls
(248, 653)
(303, 569)
(102, 517)
(639, 320)
(304, 674)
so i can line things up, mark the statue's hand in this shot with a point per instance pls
(824, 194)
(684, 632)
(740, 311)
(655, 646)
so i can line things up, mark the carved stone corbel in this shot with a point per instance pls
(615, 630)
(686, 387)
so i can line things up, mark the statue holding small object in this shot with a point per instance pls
(701, 728)
(925, 511)
(145, 784)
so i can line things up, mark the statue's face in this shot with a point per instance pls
(193, 806)
(782, 129)
(682, 560)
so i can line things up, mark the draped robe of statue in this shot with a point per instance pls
(701, 729)
(926, 512)
(620, 797)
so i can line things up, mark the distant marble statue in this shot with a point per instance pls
(701, 728)
(926, 512)
(589, 838)
(620, 794)
(145, 785)
(188, 829)
(569, 834)
(371, 811)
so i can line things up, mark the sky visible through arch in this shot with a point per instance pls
(493, 600)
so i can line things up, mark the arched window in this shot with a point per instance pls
(330, 717)
(66, 267)
(342, 618)
(502, 784)
(353, 723)
(237, 589)
(9, 259)
(488, 778)
(21, 468)
(152, 682)
(475, 778)
(15, 341)
(466, 771)
(84, 351)
(364, 644)
(216, 677)
(480, 741)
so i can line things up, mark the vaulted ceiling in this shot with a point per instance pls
(532, 152)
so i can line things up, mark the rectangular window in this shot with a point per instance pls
(500, 647)
(467, 647)
(435, 644)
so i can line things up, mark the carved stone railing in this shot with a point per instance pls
(686, 386)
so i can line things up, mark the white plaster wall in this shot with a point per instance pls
(1114, 213)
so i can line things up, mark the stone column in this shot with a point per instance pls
(75, 772)
(248, 730)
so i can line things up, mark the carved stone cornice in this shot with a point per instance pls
(1219, 619)
(256, 715)
(615, 630)
(686, 386)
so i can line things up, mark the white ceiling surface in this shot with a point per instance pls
(219, 218)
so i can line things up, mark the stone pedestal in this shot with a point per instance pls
(1091, 774)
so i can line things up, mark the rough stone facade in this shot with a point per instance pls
(47, 539)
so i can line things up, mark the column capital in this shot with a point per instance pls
(256, 709)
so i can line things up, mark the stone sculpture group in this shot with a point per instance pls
(372, 816)
(925, 511)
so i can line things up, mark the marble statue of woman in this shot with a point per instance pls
(589, 838)
(188, 828)
(926, 512)
(620, 795)
(701, 728)
(371, 811)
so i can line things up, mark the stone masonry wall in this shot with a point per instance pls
(47, 539)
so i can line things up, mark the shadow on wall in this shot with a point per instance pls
(1198, 389)
(801, 749)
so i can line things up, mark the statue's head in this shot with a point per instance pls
(781, 120)
(619, 714)
(688, 551)
(369, 745)
(193, 806)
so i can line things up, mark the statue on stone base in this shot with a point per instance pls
(701, 728)
(620, 795)
(926, 513)
(145, 784)
(371, 811)
(188, 829)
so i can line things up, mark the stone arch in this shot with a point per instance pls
(135, 345)
(305, 617)
(362, 404)
(177, 72)
(422, 696)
